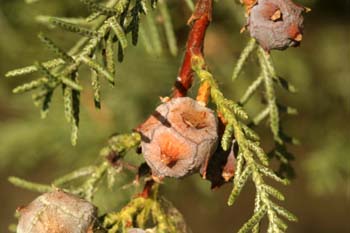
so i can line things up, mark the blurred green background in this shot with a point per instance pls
(40, 150)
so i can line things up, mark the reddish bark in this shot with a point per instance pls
(199, 20)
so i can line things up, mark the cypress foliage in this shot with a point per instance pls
(105, 36)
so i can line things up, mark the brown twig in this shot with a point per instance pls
(199, 20)
(147, 189)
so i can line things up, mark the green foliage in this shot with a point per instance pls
(31, 147)
(243, 58)
(268, 79)
(252, 162)
(103, 31)
(113, 22)
(146, 213)
(41, 188)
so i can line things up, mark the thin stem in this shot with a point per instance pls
(41, 188)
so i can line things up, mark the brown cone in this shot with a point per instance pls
(57, 212)
(179, 138)
(276, 24)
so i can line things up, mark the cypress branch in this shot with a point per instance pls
(85, 171)
(75, 86)
(95, 83)
(58, 71)
(52, 80)
(45, 19)
(122, 18)
(239, 183)
(74, 131)
(111, 173)
(283, 212)
(227, 137)
(269, 173)
(268, 62)
(93, 16)
(18, 182)
(140, 211)
(55, 49)
(254, 147)
(251, 90)
(250, 133)
(30, 86)
(67, 102)
(120, 144)
(238, 110)
(250, 47)
(246, 148)
(73, 27)
(240, 165)
(110, 54)
(119, 32)
(257, 208)
(268, 73)
(90, 185)
(254, 220)
(122, 7)
(273, 192)
(261, 116)
(279, 222)
(31, 69)
(98, 68)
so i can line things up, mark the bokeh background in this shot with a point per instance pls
(40, 150)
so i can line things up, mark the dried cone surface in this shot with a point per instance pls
(276, 24)
(179, 138)
(57, 212)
